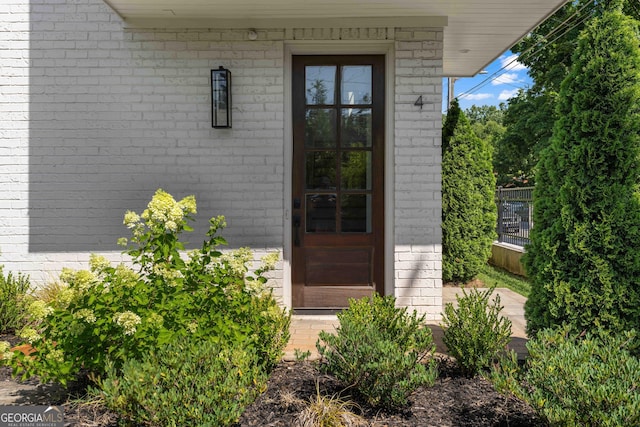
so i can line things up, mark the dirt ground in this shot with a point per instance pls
(453, 401)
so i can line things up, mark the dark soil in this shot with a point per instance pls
(453, 401)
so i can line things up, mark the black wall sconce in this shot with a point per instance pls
(221, 98)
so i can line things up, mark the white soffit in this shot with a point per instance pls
(475, 31)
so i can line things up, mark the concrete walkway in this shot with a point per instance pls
(305, 328)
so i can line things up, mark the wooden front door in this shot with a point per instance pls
(338, 179)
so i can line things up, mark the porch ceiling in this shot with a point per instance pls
(476, 31)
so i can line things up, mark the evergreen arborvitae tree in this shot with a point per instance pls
(468, 207)
(584, 257)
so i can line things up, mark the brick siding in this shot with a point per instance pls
(95, 117)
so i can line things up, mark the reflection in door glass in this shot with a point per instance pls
(321, 213)
(320, 84)
(320, 170)
(320, 128)
(356, 213)
(356, 127)
(356, 84)
(355, 173)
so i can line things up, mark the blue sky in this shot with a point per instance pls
(504, 77)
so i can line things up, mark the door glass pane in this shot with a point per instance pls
(320, 170)
(321, 213)
(356, 84)
(320, 128)
(356, 127)
(356, 213)
(356, 170)
(320, 84)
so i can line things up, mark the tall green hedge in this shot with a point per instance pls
(468, 208)
(584, 259)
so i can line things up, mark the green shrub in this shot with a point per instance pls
(579, 380)
(378, 350)
(468, 209)
(120, 313)
(506, 375)
(475, 333)
(191, 383)
(14, 299)
(584, 257)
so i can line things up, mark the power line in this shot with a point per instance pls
(505, 68)
(497, 74)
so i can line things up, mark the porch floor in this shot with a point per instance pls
(305, 328)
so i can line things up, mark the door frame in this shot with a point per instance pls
(364, 47)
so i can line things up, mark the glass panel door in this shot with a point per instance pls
(338, 158)
(338, 179)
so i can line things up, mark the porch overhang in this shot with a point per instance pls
(475, 31)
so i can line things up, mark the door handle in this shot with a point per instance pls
(296, 231)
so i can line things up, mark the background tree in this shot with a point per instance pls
(584, 259)
(484, 114)
(529, 117)
(468, 209)
(486, 122)
(527, 132)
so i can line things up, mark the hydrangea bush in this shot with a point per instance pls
(116, 313)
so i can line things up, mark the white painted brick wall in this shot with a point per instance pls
(94, 118)
(417, 216)
(14, 129)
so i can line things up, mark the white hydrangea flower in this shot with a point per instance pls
(188, 204)
(131, 219)
(255, 287)
(128, 321)
(170, 276)
(64, 296)
(79, 279)
(160, 205)
(164, 211)
(55, 355)
(192, 327)
(194, 255)
(85, 314)
(155, 320)
(67, 274)
(269, 261)
(5, 351)
(98, 263)
(175, 214)
(85, 279)
(126, 276)
(39, 310)
(238, 260)
(29, 334)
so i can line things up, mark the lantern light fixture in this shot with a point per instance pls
(221, 98)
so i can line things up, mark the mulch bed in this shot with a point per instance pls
(453, 401)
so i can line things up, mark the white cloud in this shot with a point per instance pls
(506, 94)
(511, 63)
(506, 78)
(476, 96)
